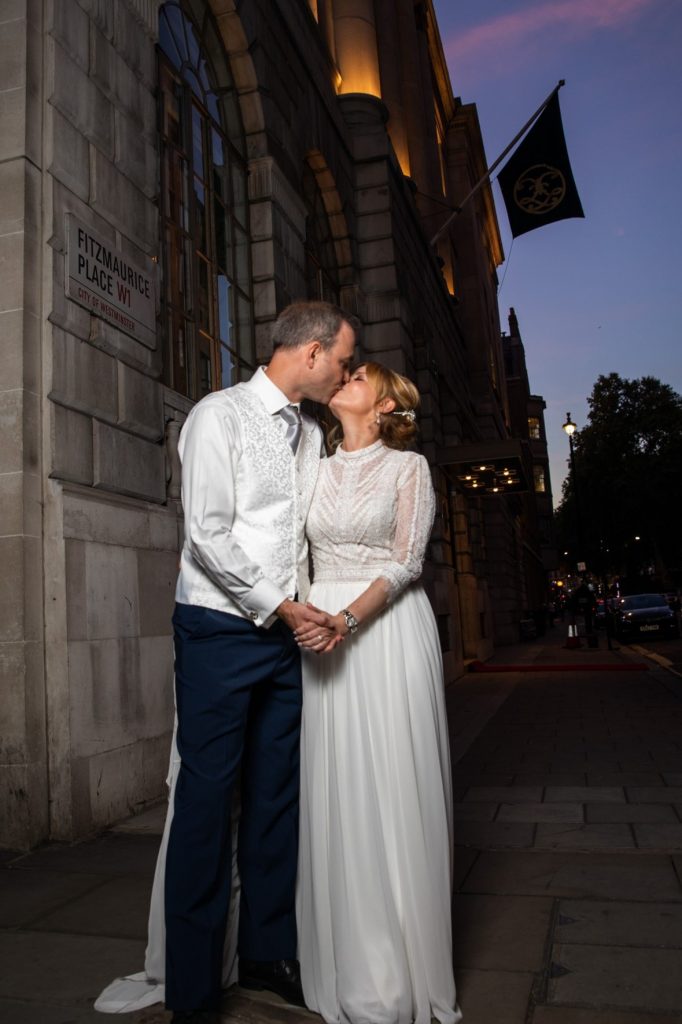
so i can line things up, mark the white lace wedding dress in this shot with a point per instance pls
(375, 858)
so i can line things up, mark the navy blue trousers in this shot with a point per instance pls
(238, 692)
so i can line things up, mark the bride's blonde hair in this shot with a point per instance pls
(397, 429)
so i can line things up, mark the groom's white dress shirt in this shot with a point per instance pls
(245, 498)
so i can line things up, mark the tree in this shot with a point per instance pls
(621, 513)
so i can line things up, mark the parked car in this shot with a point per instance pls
(645, 615)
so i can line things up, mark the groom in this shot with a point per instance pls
(249, 465)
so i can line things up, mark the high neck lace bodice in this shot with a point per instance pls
(371, 516)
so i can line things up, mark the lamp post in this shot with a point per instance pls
(570, 428)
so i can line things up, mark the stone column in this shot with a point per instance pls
(356, 47)
(23, 771)
(391, 65)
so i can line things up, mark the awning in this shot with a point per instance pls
(485, 467)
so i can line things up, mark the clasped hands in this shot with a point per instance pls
(313, 629)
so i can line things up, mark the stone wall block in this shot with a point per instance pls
(103, 58)
(19, 351)
(71, 27)
(20, 589)
(12, 703)
(102, 14)
(163, 532)
(376, 253)
(116, 198)
(157, 576)
(140, 403)
(122, 781)
(122, 692)
(372, 200)
(81, 102)
(83, 377)
(13, 55)
(98, 519)
(136, 99)
(68, 157)
(127, 464)
(71, 445)
(135, 156)
(11, 271)
(128, 350)
(135, 44)
(112, 600)
(13, 121)
(23, 805)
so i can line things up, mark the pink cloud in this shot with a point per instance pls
(572, 17)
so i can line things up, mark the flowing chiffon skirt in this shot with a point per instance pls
(375, 860)
(147, 987)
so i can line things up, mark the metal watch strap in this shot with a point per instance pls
(351, 621)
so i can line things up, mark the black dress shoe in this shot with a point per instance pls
(280, 976)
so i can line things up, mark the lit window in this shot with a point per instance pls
(534, 428)
(539, 479)
(207, 294)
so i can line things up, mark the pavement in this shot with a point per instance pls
(567, 771)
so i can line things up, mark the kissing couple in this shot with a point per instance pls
(328, 697)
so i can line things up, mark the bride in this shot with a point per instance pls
(374, 874)
(375, 856)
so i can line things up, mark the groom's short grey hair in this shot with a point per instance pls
(302, 322)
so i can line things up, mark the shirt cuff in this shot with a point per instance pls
(262, 601)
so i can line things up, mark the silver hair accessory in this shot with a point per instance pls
(408, 413)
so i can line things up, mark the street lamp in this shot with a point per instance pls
(570, 428)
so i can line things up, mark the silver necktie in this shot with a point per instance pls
(292, 418)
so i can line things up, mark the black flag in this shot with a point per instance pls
(537, 182)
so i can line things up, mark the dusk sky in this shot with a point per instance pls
(603, 294)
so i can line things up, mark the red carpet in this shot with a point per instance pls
(626, 666)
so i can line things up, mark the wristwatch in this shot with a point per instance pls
(351, 621)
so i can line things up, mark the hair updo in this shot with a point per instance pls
(397, 429)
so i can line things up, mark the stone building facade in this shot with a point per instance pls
(171, 176)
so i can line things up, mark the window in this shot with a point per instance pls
(207, 307)
(534, 428)
(322, 276)
(539, 479)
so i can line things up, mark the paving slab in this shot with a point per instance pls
(494, 835)
(648, 877)
(26, 895)
(574, 1015)
(504, 794)
(119, 907)
(619, 923)
(463, 860)
(487, 930)
(109, 854)
(15, 1011)
(602, 813)
(659, 837)
(585, 794)
(584, 837)
(654, 794)
(638, 979)
(541, 812)
(493, 997)
(473, 812)
(623, 779)
(148, 823)
(63, 969)
(550, 779)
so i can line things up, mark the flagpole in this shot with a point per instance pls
(486, 176)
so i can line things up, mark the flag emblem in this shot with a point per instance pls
(539, 189)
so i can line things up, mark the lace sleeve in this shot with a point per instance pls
(414, 521)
